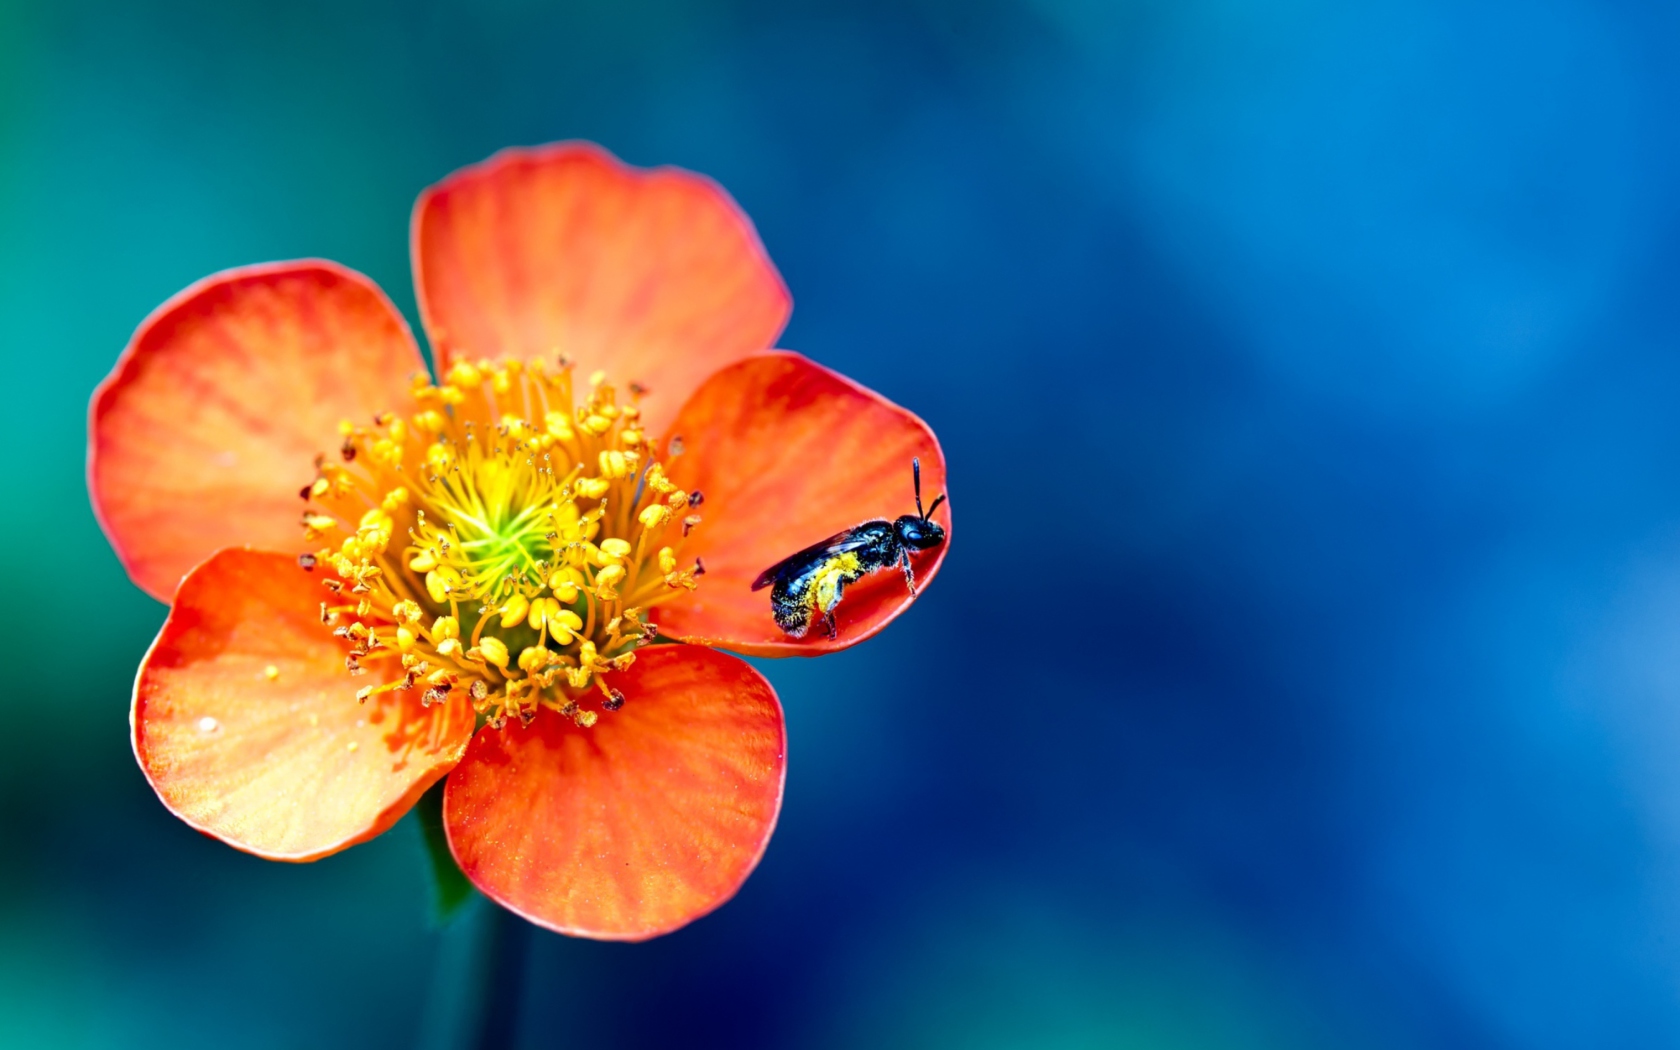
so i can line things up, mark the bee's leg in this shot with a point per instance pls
(828, 622)
(909, 576)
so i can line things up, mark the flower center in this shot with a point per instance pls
(506, 539)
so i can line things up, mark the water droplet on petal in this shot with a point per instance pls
(208, 725)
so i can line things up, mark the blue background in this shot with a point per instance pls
(1306, 670)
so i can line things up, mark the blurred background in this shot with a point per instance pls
(1306, 671)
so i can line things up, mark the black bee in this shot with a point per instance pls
(814, 579)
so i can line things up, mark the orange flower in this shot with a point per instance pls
(470, 580)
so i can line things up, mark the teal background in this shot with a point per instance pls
(1304, 670)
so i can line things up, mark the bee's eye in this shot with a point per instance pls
(918, 533)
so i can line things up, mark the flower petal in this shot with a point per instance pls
(284, 765)
(654, 275)
(638, 825)
(786, 454)
(204, 432)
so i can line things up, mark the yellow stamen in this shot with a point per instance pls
(514, 609)
(494, 650)
(510, 500)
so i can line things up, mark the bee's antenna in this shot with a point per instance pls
(916, 471)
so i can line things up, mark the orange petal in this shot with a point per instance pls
(638, 825)
(246, 722)
(204, 432)
(788, 453)
(654, 275)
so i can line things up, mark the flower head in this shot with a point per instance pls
(380, 577)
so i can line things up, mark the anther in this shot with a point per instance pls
(606, 582)
(563, 625)
(613, 464)
(494, 650)
(463, 374)
(514, 610)
(542, 610)
(437, 585)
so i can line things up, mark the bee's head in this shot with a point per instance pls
(919, 533)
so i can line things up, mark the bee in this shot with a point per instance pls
(813, 580)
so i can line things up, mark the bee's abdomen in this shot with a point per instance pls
(789, 607)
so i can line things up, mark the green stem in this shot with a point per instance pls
(450, 888)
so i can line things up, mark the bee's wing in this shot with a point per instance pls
(839, 543)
